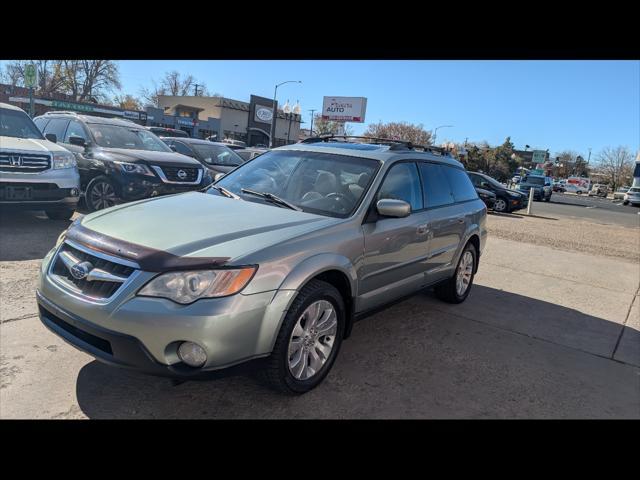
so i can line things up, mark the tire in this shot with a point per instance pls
(60, 214)
(100, 194)
(626, 202)
(500, 206)
(448, 291)
(278, 373)
(548, 199)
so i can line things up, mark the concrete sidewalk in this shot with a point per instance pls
(544, 334)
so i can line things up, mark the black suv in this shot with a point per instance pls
(121, 161)
(507, 200)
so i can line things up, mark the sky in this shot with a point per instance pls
(555, 105)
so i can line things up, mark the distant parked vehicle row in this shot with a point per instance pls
(540, 185)
(215, 156)
(632, 196)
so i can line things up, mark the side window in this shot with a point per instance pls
(461, 186)
(403, 183)
(75, 129)
(437, 191)
(183, 149)
(41, 123)
(57, 126)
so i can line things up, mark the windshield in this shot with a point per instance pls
(14, 123)
(322, 183)
(217, 154)
(534, 180)
(634, 190)
(120, 136)
(492, 181)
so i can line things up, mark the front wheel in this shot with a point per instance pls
(308, 341)
(457, 288)
(100, 194)
(500, 205)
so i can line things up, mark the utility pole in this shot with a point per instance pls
(197, 85)
(311, 129)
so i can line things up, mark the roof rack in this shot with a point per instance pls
(60, 112)
(393, 143)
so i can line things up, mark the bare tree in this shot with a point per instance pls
(617, 165)
(90, 80)
(328, 127)
(149, 95)
(50, 75)
(409, 132)
(127, 102)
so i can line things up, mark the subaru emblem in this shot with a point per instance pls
(81, 270)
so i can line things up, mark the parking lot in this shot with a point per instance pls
(551, 330)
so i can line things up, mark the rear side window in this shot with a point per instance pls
(461, 186)
(57, 126)
(402, 183)
(435, 186)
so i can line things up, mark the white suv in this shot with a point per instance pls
(35, 173)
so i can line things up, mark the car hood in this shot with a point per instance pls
(30, 144)
(485, 192)
(150, 157)
(197, 224)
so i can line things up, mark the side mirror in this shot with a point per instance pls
(78, 141)
(218, 176)
(51, 137)
(388, 207)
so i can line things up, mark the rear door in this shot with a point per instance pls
(395, 248)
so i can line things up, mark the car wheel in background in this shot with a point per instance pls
(60, 213)
(308, 341)
(500, 205)
(100, 194)
(457, 288)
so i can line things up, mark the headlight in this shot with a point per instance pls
(63, 160)
(134, 168)
(513, 195)
(187, 287)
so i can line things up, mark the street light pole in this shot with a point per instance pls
(311, 129)
(275, 112)
(435, 131)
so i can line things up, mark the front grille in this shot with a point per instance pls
(24, 162)
(191, 174)
(95, 289)
(97, 342)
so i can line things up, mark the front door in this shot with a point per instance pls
(395, 248)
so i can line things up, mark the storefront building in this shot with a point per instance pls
(249, 122)
(19, 96)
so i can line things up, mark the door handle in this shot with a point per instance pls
(422, 229)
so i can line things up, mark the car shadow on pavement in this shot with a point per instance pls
(498, 355)
(32, 235)
(503, 214)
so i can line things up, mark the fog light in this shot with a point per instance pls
(192, 354)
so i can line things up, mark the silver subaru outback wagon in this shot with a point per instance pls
(268, 267)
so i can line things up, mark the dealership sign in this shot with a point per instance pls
(263, 114)
(344, 109)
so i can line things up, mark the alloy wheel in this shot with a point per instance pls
(312, 339)
(102, 195)
(500, 205)
(464, 273)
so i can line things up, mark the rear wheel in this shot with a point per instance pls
(308, 341)
(100, 194)
(457, 288)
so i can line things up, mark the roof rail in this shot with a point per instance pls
(380, 140)
(60, 112)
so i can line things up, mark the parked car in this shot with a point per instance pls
(558, 187)
(120, 161)
(489, 198)
(251, 153)
(215, 156)
(575, 188)
(35, 172)
(270, 266)
(540, 184)
(619, 193)
(599, 190)
(632, 196)
(507, 200)
(234, 144)
(168, 132)
(515, 179)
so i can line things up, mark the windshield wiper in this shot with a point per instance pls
(273, 198)
(225, 192)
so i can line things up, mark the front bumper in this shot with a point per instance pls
(47, 190)
(144, 333)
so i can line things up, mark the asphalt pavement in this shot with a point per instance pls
(596, 209)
